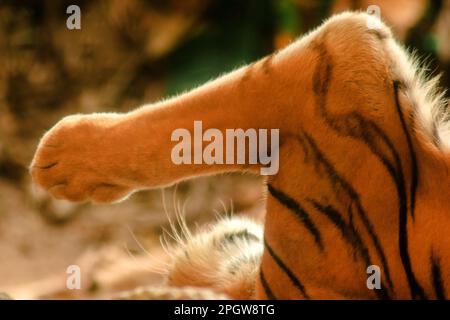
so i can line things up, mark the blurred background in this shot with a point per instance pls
(128, 53)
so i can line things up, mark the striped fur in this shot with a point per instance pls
(364, 167)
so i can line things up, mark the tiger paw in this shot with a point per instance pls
(79, 159)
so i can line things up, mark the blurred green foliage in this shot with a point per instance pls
(235, 34)
(238, 32)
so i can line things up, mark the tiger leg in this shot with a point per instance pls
(334, 96)
(104, 157)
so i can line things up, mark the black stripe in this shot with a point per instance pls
(350, 235)
(267, 63)
(348, 232)
(268, 292)
(295, 207)
(415, 288)
(341, 184)
(294, 279)
(437, 278)
(412, 154)
(354, 125)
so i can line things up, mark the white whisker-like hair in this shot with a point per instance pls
(429, 102)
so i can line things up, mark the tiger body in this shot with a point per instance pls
(363, 158)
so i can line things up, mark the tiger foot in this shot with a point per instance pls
(79, 159)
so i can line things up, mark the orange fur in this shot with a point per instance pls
(356, 123)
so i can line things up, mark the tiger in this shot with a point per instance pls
(364, 163)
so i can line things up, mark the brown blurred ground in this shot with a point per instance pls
(126, 54)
